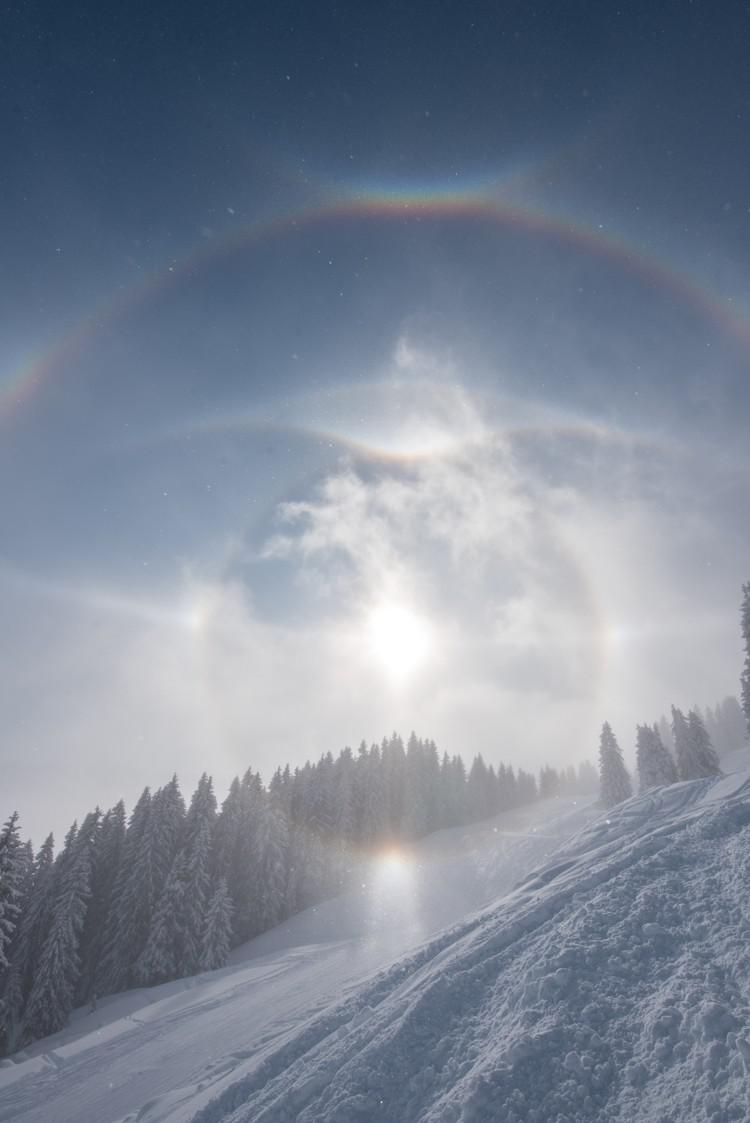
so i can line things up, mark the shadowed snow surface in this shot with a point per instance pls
(613, 983)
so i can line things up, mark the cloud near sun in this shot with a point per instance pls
(460, 543)
(491, 586)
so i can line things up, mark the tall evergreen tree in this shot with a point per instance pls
(106, 859)
(11, 874)
(681, 739)
(745, 677)
(116, 959)
(696, 757)
(705, 760)
(11, 982)
(53, 990)
(166, 950)
(477, 790)
(217, 930)
(614, 781)
(655, 764)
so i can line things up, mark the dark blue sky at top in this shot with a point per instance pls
(135, 136)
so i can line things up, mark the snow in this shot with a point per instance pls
(612, 982)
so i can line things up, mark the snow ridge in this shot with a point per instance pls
(612, 984)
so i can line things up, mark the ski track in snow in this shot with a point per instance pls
(613, 983)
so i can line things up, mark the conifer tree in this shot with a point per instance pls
(106, 859)
(614, 782)
(655, 764)
(705, 760)
(11, 985)
(217, 930)
(11, 874)
(165, 952)
(53, 990)
(477, 789)
(273, 868)
(731, 727)
(745, 677)
(665, 732)
(117, 955)
(523, 787)
(696, 757)
(681, 739)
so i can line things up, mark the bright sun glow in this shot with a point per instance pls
(399, 639)
(392, 862)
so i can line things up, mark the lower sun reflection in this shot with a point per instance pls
(392, 864)
(393, 894)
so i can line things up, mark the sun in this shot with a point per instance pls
(400, 640)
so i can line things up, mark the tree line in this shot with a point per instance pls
(686, 750)
(666, 753)
(169, 891)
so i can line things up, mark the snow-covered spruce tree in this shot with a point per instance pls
(32, 931)
(53, 990)
(745, 677)
(696, 757)
(703, 755)
(655, 764)
(11, 873)
(614, 781)
(116, 957)
(107, 856)
(731, 725)
(476, 789)
(174, 937)
(681, 738)
(164, 954)
(11, 986)
(273, 867)
(148, 852)
(217, 930)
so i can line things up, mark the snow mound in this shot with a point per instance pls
(612, 983)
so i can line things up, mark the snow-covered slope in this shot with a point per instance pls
(159, 1053)
(613, 983)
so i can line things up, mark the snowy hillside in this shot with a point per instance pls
(612, 983)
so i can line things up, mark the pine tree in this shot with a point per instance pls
(549, 782)
(273, 866)
(523, 787)
(745, 677)
(53, 990)
(165, 952)
(115, 962)
(26, 949)
(217, 930)
(655, 764)
(614, 781)
(681, 739)
(696, 757)
(730, 722)
(106, 860)
(665, 732)
(477, 788)
(11, 873)
(706, 762)
(172, 945)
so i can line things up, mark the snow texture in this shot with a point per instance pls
(612, 983)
